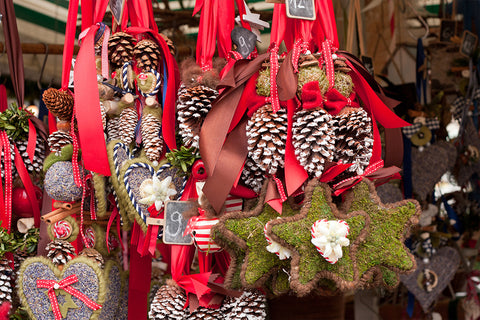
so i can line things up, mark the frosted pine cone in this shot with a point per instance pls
(313, 139)
(354, 139)
(193, 106)
(59, 102)
(267, 136)
(128, 122)
(251, 305)
(252, 175)
(113, 129)
(120, 49)
(6, 273)
(57, 140)
(38, 156)
(168, 304)
(60, 251)
(147, 54)
(94, 255)
(152, 141)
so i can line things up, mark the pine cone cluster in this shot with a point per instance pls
(128, 122)
(57, 140)
(94, 255)
(38, 156)
(120, 49)
(168, 304)
(354, 139)
(147, 54)
(251, 305)
(313, 139)
(59, 102)
(60, 251)
(5, 280)
(266, 137)
(113, 129)
(193, 106)
(152, 140)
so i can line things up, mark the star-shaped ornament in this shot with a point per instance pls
(242, 233)
(309, 269)
(383, 249)
(154, 191)
(67, 304)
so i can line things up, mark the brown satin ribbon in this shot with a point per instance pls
(230, 162)
(14, 49)
(287, 79)
(216, 124)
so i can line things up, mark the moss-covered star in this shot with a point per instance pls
(383, 248)
(242, 234)
(64, 303)
(308, 267)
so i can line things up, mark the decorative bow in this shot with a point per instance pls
(430, 123)
(65, 285)
(333, 101)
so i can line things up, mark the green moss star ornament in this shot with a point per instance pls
(384, 249)
(242, 234)
(308, 268)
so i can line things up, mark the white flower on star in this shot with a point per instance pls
(329, 236)
(154, 191)
(275, 247)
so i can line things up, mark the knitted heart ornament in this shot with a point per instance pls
(134, 174)
(76, 292)
(429, 280)
(113, 277)
(428, 166)
(118, 153)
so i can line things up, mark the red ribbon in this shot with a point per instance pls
(472, 286)
(299, 47)
(273, 99)
(114, 216)
(27, 183)
(150, 241)
(65, 285)
(6, 194)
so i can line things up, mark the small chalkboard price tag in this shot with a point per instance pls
(116, 6)
(301, 9)
(368, 64)
(447, 30)
(175, 224)
(468, 44)
(245, 41)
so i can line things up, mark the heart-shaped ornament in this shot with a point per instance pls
(428, 166)
(118, 153)
(134, 174)
(429, 280)
(110, 308)
(79, 289)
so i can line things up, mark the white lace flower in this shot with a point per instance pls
(154, 191)
(329, 236)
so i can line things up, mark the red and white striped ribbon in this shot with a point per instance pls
(7, 173)
(274, 66)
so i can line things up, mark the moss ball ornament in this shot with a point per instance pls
(59, 182)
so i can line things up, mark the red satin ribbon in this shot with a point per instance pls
(150, 241)
(3, 98)
(65, 285)
(27, 183)
(32, 140)
(114, 216)
(87, 108)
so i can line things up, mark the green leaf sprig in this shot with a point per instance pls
(183, 158)
(10, 242)
(14, 122)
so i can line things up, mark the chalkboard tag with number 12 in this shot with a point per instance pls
(301, 9)
(175, 224)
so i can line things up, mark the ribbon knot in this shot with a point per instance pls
(65, 285)
(335, 101)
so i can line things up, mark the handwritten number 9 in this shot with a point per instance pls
(176, 217)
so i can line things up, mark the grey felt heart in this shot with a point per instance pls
(441, 267)
(428, 166)
(36, 300)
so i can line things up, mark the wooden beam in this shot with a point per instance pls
(40, 48)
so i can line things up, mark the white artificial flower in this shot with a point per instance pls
(329, 236)
(154, 191)
(282, 252)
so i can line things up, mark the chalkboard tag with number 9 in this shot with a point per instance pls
(301, 9)
(245, 40)
(175, 224)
